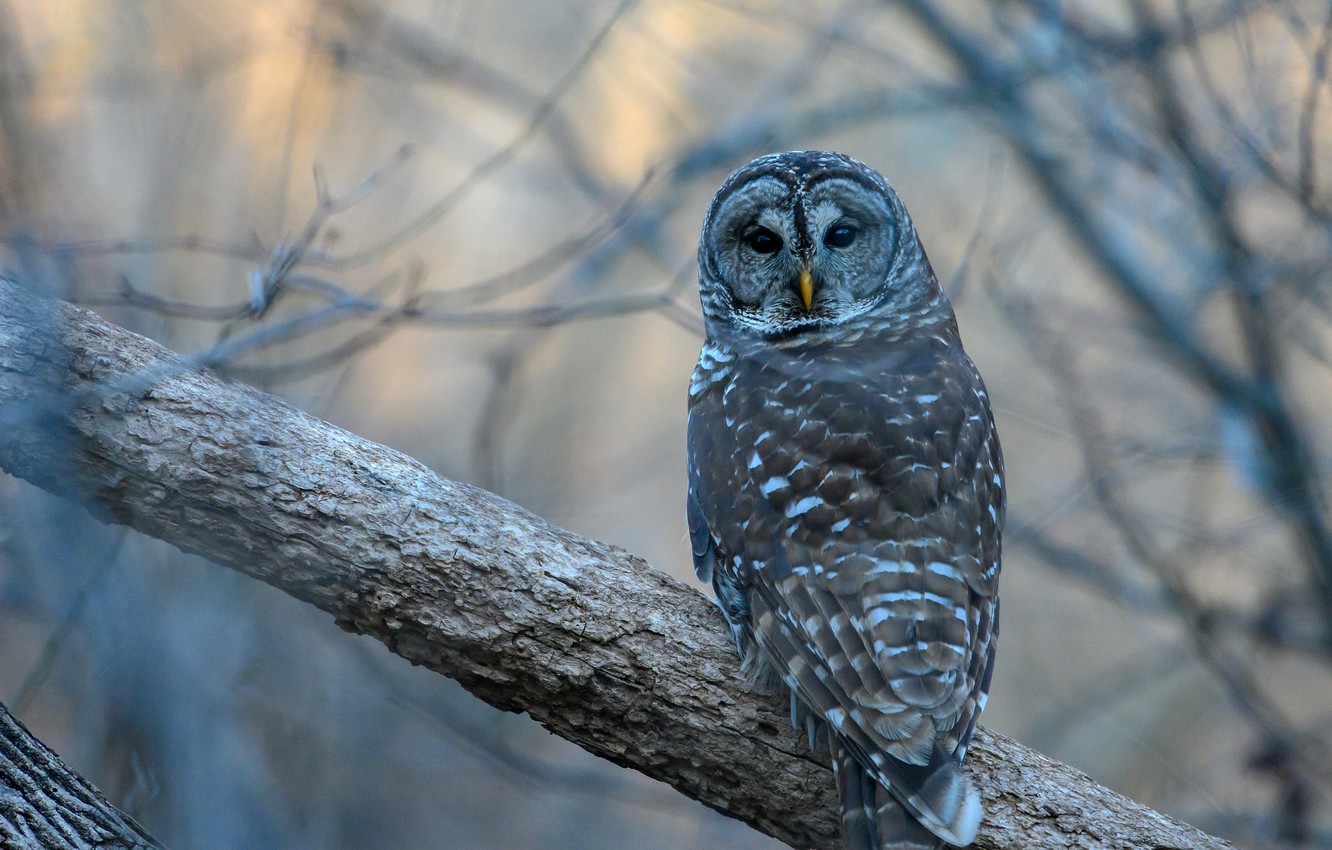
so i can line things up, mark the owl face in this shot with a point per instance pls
(807, 240)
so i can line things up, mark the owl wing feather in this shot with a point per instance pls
(846, 505)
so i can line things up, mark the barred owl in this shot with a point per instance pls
(846, 489)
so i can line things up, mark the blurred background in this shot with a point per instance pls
(468, 230)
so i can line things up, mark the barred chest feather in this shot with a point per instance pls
(869, 476)
(846, 487)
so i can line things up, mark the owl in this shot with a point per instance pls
(846, 488)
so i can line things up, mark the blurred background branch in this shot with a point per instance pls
(491, 270)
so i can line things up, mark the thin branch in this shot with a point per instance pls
(504, 154)
(1258, 390)
(55, 641)
(1304, 754)
(1308, 175)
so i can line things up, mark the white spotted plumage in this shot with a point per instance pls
(846, 485)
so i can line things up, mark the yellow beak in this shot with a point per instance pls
(807, 288)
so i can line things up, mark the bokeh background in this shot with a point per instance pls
(467, 230)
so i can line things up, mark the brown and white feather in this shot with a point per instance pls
(846, 500)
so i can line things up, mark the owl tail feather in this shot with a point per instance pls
(873, 819)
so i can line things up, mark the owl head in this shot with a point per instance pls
(807, 244)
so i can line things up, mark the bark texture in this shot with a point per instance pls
(590, 641)
(46, 806)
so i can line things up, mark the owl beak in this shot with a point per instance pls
(807, 288)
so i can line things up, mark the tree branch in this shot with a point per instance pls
(46, 806)
(590, 641)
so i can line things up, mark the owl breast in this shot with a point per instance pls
(842, 472)
(845, 485)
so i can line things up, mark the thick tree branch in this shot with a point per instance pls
(590, 641)
(46, 806)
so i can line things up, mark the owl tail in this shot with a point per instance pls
(873, 819)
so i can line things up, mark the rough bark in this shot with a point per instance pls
(46, 806)
(590, 641)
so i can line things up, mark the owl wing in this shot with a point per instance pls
(855, 504)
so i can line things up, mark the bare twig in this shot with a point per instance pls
(504, 154)
(1302, 754)
(1293, 478)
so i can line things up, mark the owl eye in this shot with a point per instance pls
(764, 241)
(840, 236)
